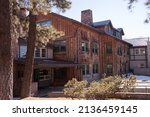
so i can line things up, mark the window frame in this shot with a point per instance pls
(40, 53)
(109, 70)
(85, 46)
(109, 50)
(60, 46)
(95, 68)
(85, 69)
(95, 47)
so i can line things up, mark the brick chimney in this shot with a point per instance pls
(86, 17)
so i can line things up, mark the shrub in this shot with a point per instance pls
(75, 89)
(104, 89)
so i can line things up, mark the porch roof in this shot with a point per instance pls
(50, 63)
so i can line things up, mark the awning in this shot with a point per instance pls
(50, 63)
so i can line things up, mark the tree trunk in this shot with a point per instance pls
(6, 59)
(29, 63)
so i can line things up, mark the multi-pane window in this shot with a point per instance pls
(119, 51)
(37, 52)
(109, 68)
(60, 46)
(95, 48)
(85, 47)
(109, 48)
(23, 50)
(137, 51)
(40, 53)
(85, 69)
(95, 68)
(44, 23)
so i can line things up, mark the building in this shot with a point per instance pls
(86, 52)
(139, 56)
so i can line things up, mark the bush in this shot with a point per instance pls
(75, 89)
(104, 89)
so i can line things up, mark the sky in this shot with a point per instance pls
(115, 10)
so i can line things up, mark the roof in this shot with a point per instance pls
(90, 27)
(137, 41)
(102, 23)
(120, 30)
(49, 63)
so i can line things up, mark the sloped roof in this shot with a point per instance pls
(120, 30)
(137, 41)
(102, 23)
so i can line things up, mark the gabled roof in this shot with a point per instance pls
(102, 23)
(137, 41)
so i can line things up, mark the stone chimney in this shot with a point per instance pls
(86, 17)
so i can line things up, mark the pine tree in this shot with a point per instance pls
(34, 7)
(6, 58)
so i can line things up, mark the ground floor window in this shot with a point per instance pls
(95, 68)
(85, 69)
(109, 68)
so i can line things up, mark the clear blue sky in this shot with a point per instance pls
(115, 10)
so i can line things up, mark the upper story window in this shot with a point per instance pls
(137, 51)
(85, 69)
(60, 46)
(23, 51)
(95, 48)
(109, 48)
(142, 51)
(95, 68)
(40, 53)
(85, 46)
(44, 23)
(119, 51)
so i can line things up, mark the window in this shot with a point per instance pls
(119, 51)
(85, 69)
(137, 51)
(95, 48)
(95, 68)
(142, 51)
(109, 68)
(37, 52)
(85, 47)
(23, 50)
(43, 52)
(40, 53)
(60, 46)
(44, 23)
(109, 48)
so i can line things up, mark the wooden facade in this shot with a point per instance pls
(76, 32)
(88, 51)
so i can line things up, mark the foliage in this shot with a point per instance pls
(75, 89)
(45, 33)
(147, 5)
(21, 11)
(106, 88)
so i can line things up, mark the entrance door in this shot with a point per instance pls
(60, 76)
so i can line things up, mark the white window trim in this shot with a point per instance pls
(40, 53)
